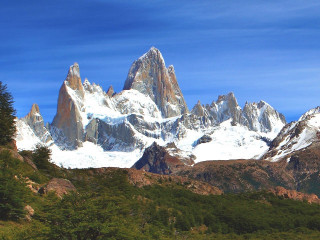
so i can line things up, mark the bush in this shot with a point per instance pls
(41, 156)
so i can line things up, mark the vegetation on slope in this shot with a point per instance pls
(107, 206)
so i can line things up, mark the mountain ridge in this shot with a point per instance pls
(151, 108)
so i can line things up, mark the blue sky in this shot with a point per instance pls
(267, 50)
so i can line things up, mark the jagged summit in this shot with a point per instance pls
(34, 114)
(198, 110)
(110, 91)
(255, 116)
(228, 97)
(73, 78)
(153, 53)
(150, 76)
(34, 110)
(33, 125)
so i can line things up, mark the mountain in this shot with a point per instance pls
(94, 128)
(296, 136)
(258, 117)
(150, 76)
(31, 130)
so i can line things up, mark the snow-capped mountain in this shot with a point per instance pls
(94, 128)
(258, 117)
(296, 136)
(150, 76)
(31, 130)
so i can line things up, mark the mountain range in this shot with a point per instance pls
(97, 128)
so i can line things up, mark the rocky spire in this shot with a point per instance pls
(110, 91)
(36, 123)
(226, 107)
(35, 111)
(198, 110)
(150, 76)
(68, 118)
(73, 78)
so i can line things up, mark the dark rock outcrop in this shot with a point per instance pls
(157, 159)
(203, 139)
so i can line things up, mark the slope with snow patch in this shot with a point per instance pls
(296, 136)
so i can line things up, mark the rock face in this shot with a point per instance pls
(226, 107)
(35, 121)
(68, 118)
(262, 117)
(150, 76)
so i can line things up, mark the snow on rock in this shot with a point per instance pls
(296, 136)
(309, 113)
(93, 128)
(132, 101)
(25, 137)
(149, 76)
(259, 117)
(228, 142)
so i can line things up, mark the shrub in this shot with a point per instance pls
(41, 156)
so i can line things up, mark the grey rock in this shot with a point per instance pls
(36, 123)
(150, 76)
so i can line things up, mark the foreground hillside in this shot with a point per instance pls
(112, 203)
